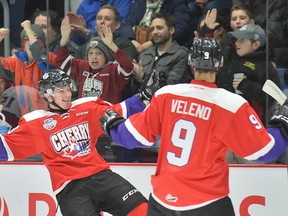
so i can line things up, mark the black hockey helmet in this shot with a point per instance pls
(52, 79)
(206, 54)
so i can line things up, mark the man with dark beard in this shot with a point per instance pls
(166, 55)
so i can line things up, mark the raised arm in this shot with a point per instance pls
(65, 31)
(4, 32)
(107, 37)
(26, 24)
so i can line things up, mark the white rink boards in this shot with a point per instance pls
(256, 190)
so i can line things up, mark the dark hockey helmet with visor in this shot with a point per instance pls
(53, 79)
(206, 54)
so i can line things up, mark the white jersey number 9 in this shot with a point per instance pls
(184, 142)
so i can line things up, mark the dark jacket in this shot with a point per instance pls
(276, 25)
(257, 71)
(174, 62)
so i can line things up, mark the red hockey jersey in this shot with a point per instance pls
(67, 141)
(197, 123)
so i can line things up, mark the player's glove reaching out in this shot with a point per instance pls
(280, 118)
(109, 120)
(158, 82)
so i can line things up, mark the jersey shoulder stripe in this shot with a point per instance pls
(218, 96)
(36, 114)
(87, 99)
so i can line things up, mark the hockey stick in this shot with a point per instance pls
(274, 91)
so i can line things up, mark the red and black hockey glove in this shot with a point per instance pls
(148, 90)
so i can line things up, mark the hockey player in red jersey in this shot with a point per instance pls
(65, 135)
(197, 123)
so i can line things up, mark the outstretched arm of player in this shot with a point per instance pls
(279, 131)
(109, 120)
(114, 126)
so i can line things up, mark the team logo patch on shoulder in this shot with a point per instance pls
(49, 124)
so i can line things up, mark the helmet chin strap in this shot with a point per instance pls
(60, 110)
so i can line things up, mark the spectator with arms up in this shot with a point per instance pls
(88, 9)
(99, 75)
(50, 22)
(22, 63)
(195, 139)
(107, 16)
(25, 69)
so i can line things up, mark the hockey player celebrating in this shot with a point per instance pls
(65, 135)
(195, 139)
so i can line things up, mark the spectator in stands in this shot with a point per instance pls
(166, 55)
(234, 64)
(22, 63)
(246, 17)
(247, 73)
(107, 16)
(88, 10)
(26, 71)
(50, 22)
(142, 12)
(274, 20)
(240, 15)
(251, 60)
(99, 75)
(110, 17)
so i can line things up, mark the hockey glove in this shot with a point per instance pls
(109, 120)
(158, 82)
(280, 118)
